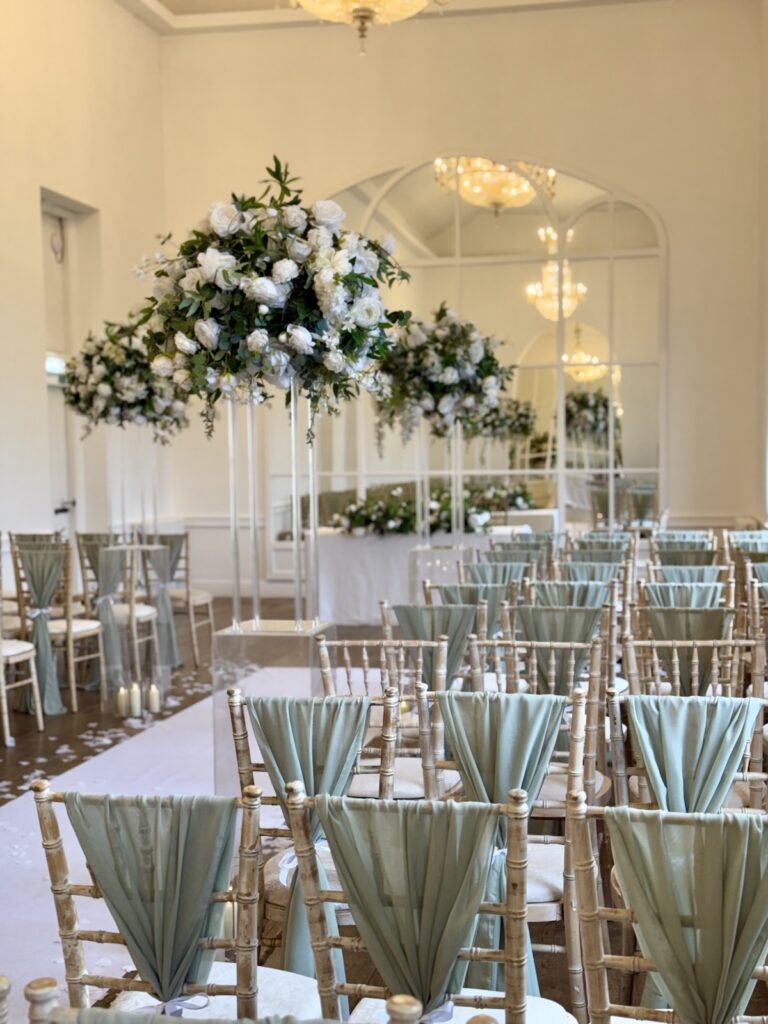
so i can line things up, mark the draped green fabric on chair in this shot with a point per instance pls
(689, 624)
(691, 747)
(689, 573)
(684, 544)
(558, 625)
(684, 535)
(706, 928)
(473, 593)
(455, 621)
(589, 594)
(524, 555)
(112, 563)
(414, 873)
(496, 572)
(168, 652)
(582, 572)
(500, 741)
(157, 861)
(43, 566)
(614, 557)
(684, 595)
(754, 547)
(760, 572)
(315, 741)
(595, 543)
(174, 542)
(738, 536)
(625, 536)
(687, 556)
(642, 502)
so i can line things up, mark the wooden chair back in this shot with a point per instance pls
(733, 659)
(513, 912)
(244, 895)
(62, 598)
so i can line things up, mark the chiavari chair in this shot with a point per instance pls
(243, 895)
(16, 656)
(669, 912)
(513, 1002)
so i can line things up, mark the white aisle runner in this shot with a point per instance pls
(174, 756)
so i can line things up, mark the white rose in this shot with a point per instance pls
(192, 280)
(211, 378)
(427, 403)
(299, 338)
(284, 271)
(180, 360)
(260, 289)
(217, 266)
(182, 378)
(446, 405)
(367, 311)
(367, 262)
(468, 402)
(328, 214)
(295, 219)
(388, 244)
(105, 390)
(280, 369)
(185, 344)
(257, 340)
(139, 419)
(450, 375)
(160, 404)
(298, 250)
(163, 286)
(179, 408)
(416, 335)
(207, 333)
(476, 351)
(320, 238)
(162, 366)
(228, 383)
(490, 383)
(333, 361)
(225, 219)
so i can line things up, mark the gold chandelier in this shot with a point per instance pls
(544, 295)
(366, 13)
(493, 186)
(580, 365)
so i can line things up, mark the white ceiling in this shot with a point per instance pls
(181, 16)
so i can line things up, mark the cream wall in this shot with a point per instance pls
(80, 116)
(659, 99)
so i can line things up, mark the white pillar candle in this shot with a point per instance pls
(122, 702)
(135, 701)
(153, 700)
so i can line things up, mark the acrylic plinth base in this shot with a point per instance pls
(268, 658)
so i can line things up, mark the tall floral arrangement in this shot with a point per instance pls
(110, 380)
(267, 291)
(445, 371)
(587, 415)
(509, 420)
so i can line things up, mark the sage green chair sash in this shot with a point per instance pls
(706, 928)
(737, 536)
(524, 555)
(414, 873)
(689, 624)
(157, 861)
(625, 536)
(43, 566)
(456, 621)
(689, 573)
(683, 544)
(112, 566)
(589, 594)
(473, 593)
(684, 595)
(642, 502)
(174, 542)
(315, 741)
(581, 572)
(595, 543)
(687, 556)
(672, 535)
(558, 625)
(760, 572)
(755, 557)
(610, 555)
(754, 547)
(691, 747)
(168, 651)
(496, 572)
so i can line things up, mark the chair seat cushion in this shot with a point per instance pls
(142, 612)
(280, 993)
(178, 596)
(409, 781)
(546, 862)
(58, 627)
(538, 1011)
(16, 648)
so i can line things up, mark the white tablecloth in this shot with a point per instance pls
(356, 573)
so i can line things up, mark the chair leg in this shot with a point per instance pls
(102, 672)
(36, 695)
(69, 658)
(135, 650)
(193, 629)
(576, 984)
(8, 740)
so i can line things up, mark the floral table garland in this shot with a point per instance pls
(110, 380)
(267, 291)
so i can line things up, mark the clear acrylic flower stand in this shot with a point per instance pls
(267, 657)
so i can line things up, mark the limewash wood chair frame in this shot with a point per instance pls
(14, 654)
(594, 915)
(244, 896)
(644, 673)
(514, 913)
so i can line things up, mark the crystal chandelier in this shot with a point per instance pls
(364, 13)
(496, 187)
(580, 365)
(544, 294)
